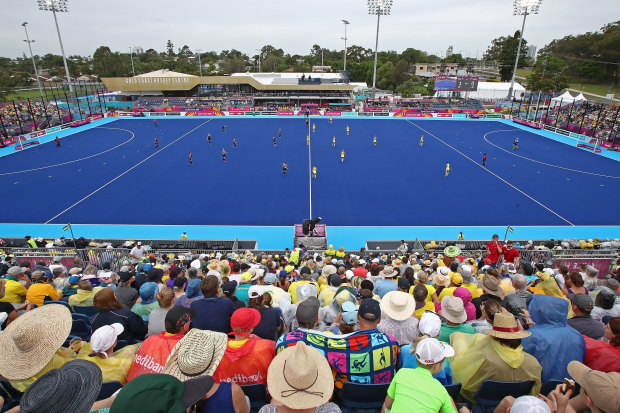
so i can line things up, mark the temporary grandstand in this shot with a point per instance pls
(489, 90)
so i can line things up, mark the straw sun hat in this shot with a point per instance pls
(398, 305)
(30, 342)
(197, 354)
(505, 326)
(300, 377)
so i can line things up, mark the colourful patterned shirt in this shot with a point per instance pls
(368, 356)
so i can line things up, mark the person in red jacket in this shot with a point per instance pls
(247, 356)
(494, 250)
(602, 356)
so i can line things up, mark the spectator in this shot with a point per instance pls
(137, 253)
(148, 300)
(430, 326)
(41, 288)
(494, 250)
(574, 285)
(583, 322)
(420, 293)
(228, 289)
(166, 300)
(358, 268)
(72, 286)
(192, 293)
(387, 282)
(125, 293)
(173, 274)
(496, 356)
(441, 280)
(374, 362)
(300, 367)
(605, 304)
(247, 356)
(404, 285)
(327, 294)
(179, 287)
(82, 378)
(241, 292)
(423, 278)
(465, 296)
(456, 280)
(453, 310)
(100, 350)
(198, 354)
(347, 323)
(527, 404)
(403, 248)
(552, 342)
(304, 279)
(11, 312)
(517, 300)
(112, 311)
(154, 351)
(271, 323)
(16, 286)
(489, 309)
(84, 295)
(31, 345)
(604, 356)
(490, 290)
(415, 390)
(212, 312)
(60, 278)
(398, 319)
(600, 392)
(511, 255)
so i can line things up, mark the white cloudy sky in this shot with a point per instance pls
(292, 25)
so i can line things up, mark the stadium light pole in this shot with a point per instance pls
(36, 72)
(199, 61)
(521, 7)
(345, 43)
(378, 7)
(60, 6)
(133, 71)
(260, 51)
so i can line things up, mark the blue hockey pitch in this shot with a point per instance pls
(113, 174)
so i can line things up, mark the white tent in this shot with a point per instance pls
(490, 90)
(580, 98)
(564, 99)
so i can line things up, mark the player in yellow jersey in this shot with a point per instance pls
(314, 127)
(308, 140)
(447, 168)
(342, 156)
(330, 120)
(347, 130)
(334, 141)
(422, 140)
(374, 140)
(314, 172)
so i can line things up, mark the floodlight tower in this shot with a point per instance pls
(199, 61)
(521, 7)
(378, 7)
(36, 72)
(345, 45)
(60, 6)
(133, 70)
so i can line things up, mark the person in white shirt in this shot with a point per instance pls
(137, 253)
(57, 264)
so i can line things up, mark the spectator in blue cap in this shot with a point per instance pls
(148, 293)
(192, 293)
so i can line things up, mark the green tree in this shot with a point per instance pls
(233, 66)
(503, 51)
(554, 77)
(170, 48)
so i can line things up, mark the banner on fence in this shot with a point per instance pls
(286, 113)
(332, 113)
(381, 113)
(601, 264)
(240, 108)
(527, 123)
(348, 114)
(444, 115)
(459, 115)
(236, 113)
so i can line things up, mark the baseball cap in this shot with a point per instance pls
(371, 307)
(457, 278)
(245, 318)
(307, 310)
(256, 291)
(404, 284)
(349, 312)
(430, 324)
(104, 337)
(334, 280)
(270, 278)
(57, 258)
(584, 302)
(431, 351)
(529, 404)
(15, 270)
(178, 316)
(139, 242)
(602, 388)
(74, 279)
(125, 276)
(229, 287)
(75, 271)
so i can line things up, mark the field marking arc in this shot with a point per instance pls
(76, 160)
(128, 170)
(540, 162)
(494, 174)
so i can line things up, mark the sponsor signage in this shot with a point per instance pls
(375, 110)
(601, 264)
(349, 114)
(52, 130)
(459, 115)
(444, 115)
(269, 112)
(286, 113)
(551, 128)
(562, 132)
(236, 113)
(381, 114)
(332, 113)
(527, 123)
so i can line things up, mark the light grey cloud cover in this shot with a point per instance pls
(292, 25)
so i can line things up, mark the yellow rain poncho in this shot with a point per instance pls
(478, 357)
(550, 287)
(114, 368)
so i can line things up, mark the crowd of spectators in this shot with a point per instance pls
(588, 118)
(20, 117)
(182, 330)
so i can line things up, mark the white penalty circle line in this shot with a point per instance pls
(494, 174)
(540, 162)
(128, 170)
(77, 160)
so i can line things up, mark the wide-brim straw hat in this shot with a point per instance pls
(490, 285)
(398, 305)
(197, 354)
(47, 394)
(452, 251)
(31, 340)
(388, 272)
(441, 280)
(505, 326)
(300, 376)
